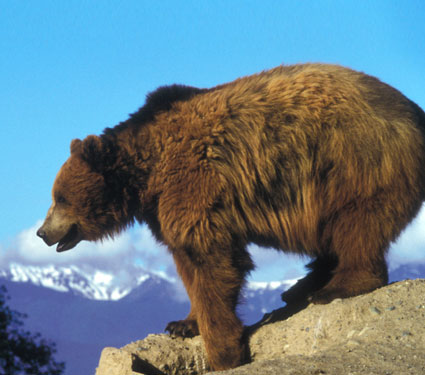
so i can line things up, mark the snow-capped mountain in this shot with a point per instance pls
(94, 284)
(105, 286)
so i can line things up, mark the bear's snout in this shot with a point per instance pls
(42, 234)
(65, 237)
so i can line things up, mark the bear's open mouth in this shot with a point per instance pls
(70, 239)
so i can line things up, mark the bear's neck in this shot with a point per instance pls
(136, 159)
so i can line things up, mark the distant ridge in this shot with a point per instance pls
(103, 285)
(96, 285)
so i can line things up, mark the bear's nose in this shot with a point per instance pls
(41, 233)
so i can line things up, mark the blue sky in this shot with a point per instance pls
(72, 68)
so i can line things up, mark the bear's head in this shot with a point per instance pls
(87, 197)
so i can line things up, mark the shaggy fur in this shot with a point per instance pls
(315, 159)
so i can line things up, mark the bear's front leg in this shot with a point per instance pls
(210, 255)
(215, 292)
(213, 289)
(187, 327)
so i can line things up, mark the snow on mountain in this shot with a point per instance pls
(102, 285)
(105, 286)
(95, 285)
(255, 286)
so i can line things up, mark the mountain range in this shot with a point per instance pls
(83, 311)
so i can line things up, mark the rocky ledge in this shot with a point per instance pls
(380, 333)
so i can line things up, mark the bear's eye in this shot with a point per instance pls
(60, 199)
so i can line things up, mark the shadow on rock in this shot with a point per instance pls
(277, 315)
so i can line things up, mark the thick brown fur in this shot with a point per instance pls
(315, 159)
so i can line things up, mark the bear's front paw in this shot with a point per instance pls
(183, 328)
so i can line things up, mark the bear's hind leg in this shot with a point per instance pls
(352, 281)
(359, 236)
(320, 274)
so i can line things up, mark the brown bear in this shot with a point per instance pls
(316, 159)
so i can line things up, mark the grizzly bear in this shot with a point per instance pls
(315, 159)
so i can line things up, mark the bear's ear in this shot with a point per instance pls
(92, 151)
(99, 153)
(75, 145)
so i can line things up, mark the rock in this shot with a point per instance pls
(115, 361)
(380, 333)
(155, 355)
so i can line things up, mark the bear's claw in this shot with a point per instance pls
(183, 328)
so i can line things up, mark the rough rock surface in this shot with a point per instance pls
(382, 332)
